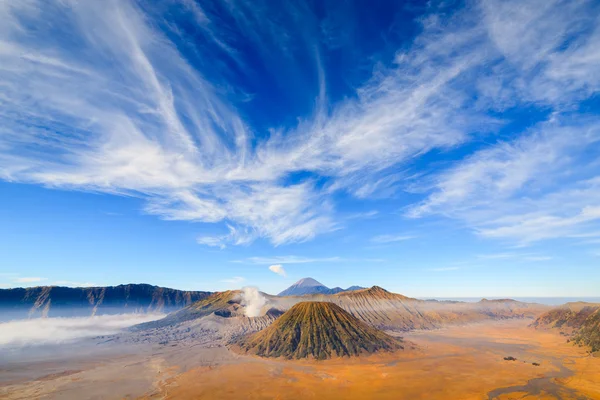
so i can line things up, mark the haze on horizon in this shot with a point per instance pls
(437, 149)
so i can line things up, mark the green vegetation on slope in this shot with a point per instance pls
(589, 333)
(582, 319)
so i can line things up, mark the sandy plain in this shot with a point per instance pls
(459, 362)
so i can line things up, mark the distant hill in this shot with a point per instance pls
(317, 330)
(58, 301)
(355, 287)
(386, 310)
(311, 286)
(581, 320)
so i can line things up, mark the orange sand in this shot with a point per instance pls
(448, 364)
(461, 362)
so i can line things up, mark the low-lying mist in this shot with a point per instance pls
(44, 331)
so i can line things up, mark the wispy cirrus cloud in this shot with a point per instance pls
(125, 112)
(363, 215)
(289, 260)
(385, 239)
(292, 259)
(539, 186)
(517, 256)
(131, 107)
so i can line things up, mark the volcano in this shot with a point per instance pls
(311, 286)
(318, 330)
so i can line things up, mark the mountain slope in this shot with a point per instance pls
(58, 301)
(221, 316)
(580, 319)
(589, 333)
(224, 304)
(318, 330)
(385, 310)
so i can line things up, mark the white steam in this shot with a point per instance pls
(41, 331)
(253, 301)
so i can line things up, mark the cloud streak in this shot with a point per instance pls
(30, 279)
(537, 187)
(289, 260)
(385, 239)
(131, 107)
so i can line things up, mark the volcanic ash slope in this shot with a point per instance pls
(318, 330)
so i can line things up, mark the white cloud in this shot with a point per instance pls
(539, 186)
(363, 215)
(551, 47)
(43, 331)
(212, 241)
(130, 116)
(278, 269)
(391, 238)
(125, 112)
(534, 226)
(30, 279)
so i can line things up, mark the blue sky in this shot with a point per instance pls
(432, 148)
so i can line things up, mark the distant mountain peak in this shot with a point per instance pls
(373, 292)
(311, 286)
(354, 287)
(308, 282)
(378, 289)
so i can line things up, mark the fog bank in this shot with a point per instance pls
(41, 331)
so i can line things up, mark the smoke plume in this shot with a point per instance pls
(253, 301)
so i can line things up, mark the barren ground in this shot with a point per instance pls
(460, 362)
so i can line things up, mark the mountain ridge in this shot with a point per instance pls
(62, 301)
(374, 306)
